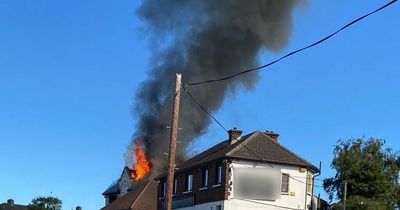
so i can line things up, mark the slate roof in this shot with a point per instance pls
(256, 146)
(128, 200)
(112, 190)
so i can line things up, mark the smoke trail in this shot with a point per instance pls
(202, 39)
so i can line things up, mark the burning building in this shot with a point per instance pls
(130, 179)
(203, 40)
(252, 171)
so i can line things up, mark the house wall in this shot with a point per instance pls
(295, 199)
(209, 198)
(125, 183)
(201, 195)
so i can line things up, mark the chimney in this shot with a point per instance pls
(10, 202)
(274, 136)
(78, 208)
(234, 135)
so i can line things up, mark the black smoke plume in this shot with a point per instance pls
(202, 39)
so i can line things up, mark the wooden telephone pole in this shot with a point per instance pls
(172, 146)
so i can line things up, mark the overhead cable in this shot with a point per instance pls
(296, 51)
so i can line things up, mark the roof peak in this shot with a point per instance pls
(256, 146)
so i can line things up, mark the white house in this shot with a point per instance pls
(243, 173)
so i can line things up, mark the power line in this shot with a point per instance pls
(204, 109)
(255, 154)
(301, 177)
(296, 51)
(215, 119)
(303, 181)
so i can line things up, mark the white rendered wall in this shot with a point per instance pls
(295, 199)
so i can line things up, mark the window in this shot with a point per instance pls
(175, 186)
(285, 183)
(163, 205)
(309, 183)
(164, 188)
(205, 178)
(218, 207)
(218, 175)
(189, 182)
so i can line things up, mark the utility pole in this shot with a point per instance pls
(172, 144)
(345, 195)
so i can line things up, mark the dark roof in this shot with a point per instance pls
(113, 189)
(256, 146)
(5, 206)
(128, 200)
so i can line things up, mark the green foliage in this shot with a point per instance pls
(371, 172)
(45, 203)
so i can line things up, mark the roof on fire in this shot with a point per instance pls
(256, 146)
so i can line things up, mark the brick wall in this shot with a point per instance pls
(211, 194)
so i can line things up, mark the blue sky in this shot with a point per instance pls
(69, 70)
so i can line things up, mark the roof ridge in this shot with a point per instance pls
(288, 150)
(244, 142)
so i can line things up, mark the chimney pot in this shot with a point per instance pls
(78, 208)
(10, 202)
(234, 135)
(274, 136)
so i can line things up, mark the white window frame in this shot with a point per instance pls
(164, 188)
(189, 182)
(175, 186)
(288, 182)
(218, 173)
(205, 176)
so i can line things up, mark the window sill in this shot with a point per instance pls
(285, 193)
(203, 188)
(186, 192)
(217, 185)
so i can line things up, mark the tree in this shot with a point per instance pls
(371, 173)
(45, 203)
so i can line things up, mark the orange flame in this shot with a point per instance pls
(142, 166)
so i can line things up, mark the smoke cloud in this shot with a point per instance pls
(202, 39)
